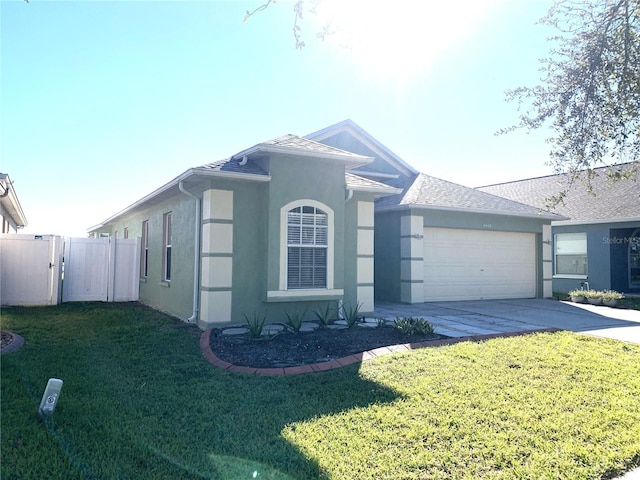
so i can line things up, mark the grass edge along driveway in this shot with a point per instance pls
(139, 401)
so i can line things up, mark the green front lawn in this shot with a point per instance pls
(139, 401)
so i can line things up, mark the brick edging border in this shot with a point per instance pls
(205, 348)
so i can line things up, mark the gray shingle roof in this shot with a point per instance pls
(232, 165)
(359, 183)
(289, 142)
(431, 192)
(299, 143)
(295, 145)
(609, 200)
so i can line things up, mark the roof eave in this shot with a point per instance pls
(16, 213)
(353, 160)
(377, 190)
(541, 215)
(569, 222)
(192, 172)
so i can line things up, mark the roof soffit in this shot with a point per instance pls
(10, 202)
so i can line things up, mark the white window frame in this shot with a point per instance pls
(284, 211)
(167, 240)
(307, 243)
(144, 257)
(574, 237)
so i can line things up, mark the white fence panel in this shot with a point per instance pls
(95, 269)
(30, 269)
(86, 269)
(126, 270)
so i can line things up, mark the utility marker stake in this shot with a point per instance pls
(50, 396)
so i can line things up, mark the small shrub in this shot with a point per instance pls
(612, 295)
(295, 319)
(324, 315)
(380, 322)
(576, 293)
(255, 324)
(414, 326)
(352, 314)
(592, 294)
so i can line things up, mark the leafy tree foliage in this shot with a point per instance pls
(590, 91)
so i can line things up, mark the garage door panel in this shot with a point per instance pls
(476, 264)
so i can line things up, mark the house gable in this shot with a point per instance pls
(386, 166)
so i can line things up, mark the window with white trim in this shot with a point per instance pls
(144, 258)
(571, 254)
(307, 248)
(166, 247)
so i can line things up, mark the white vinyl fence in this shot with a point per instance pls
(47, 269)
(30, 267)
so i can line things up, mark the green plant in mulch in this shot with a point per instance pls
(255, 324)
(380, 322)
(295, 319)
(352, 314)
(324, 315)
(414, 325)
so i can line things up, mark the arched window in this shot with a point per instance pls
(307, 247)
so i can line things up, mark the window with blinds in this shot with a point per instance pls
(307, 244)
(571, 254)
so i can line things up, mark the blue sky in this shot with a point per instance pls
(103, 102)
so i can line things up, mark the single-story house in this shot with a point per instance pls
(598, 244)
(333, 218)
(11, 214)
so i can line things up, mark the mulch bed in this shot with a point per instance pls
(9, 341)
(289, 349)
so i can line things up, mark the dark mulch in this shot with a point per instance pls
(10, 342)
(5, 339)
(289, 349)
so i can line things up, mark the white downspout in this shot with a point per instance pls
(196, 256)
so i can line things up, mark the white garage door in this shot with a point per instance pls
(478, 264)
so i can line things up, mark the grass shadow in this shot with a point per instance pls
(139, 401)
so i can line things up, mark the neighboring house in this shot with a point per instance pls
(333, 218)
(599, 242)
(11, 213)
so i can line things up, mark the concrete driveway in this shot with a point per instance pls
(462, 319)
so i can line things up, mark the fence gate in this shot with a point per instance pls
(30, 269)
(100, 269)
